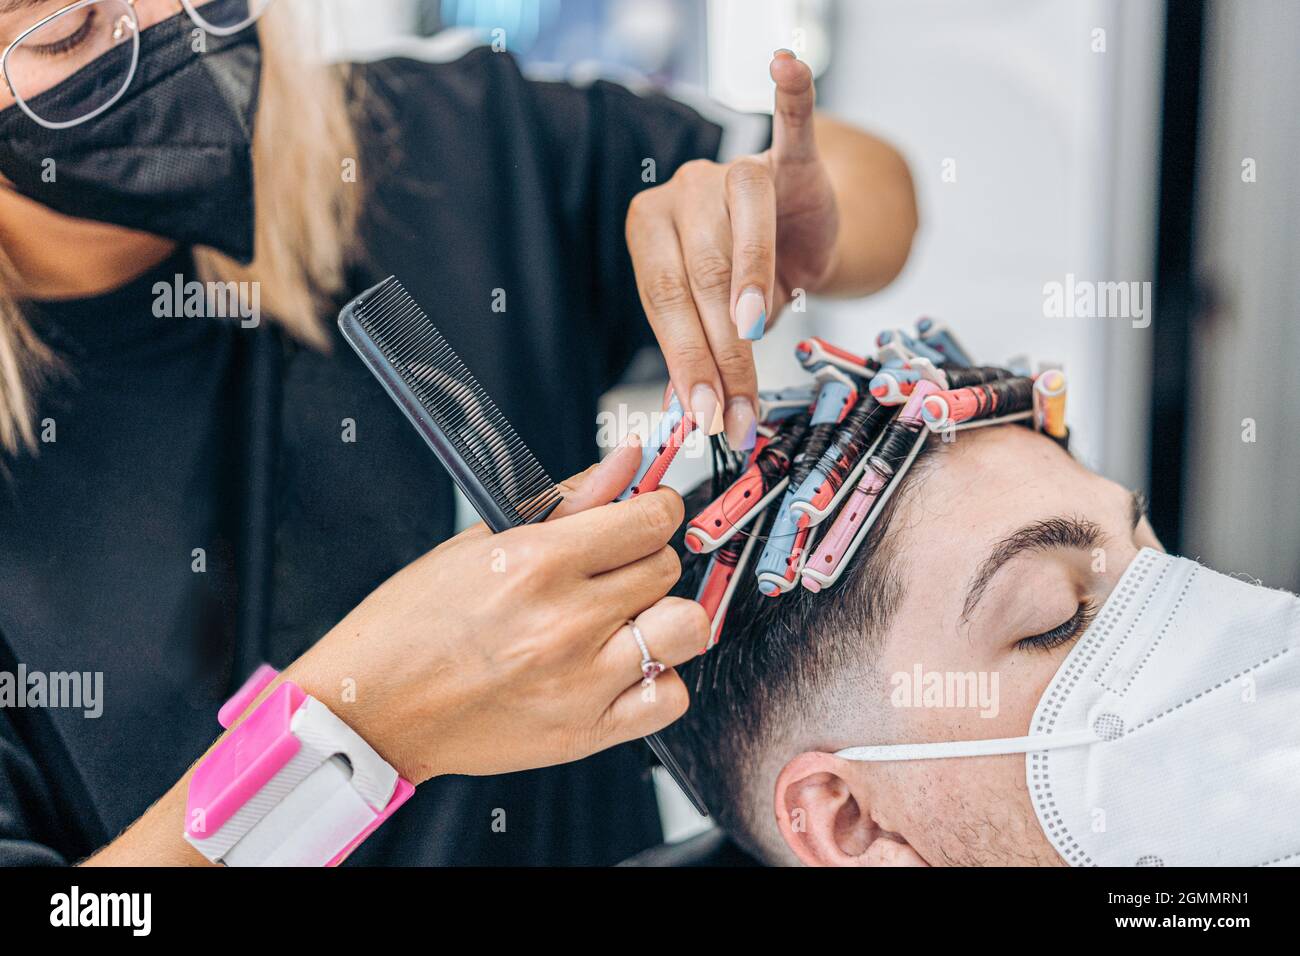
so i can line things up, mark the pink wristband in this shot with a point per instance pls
(278, 747)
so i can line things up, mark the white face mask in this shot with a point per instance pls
(1170, 736)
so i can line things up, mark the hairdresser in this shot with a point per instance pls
(198, 477)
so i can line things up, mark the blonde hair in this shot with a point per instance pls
(306, 216)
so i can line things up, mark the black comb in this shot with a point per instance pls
(488, 460)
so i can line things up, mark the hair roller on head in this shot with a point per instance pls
(764, 478)
(827, 472)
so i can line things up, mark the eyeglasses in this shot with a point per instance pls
(105, 33)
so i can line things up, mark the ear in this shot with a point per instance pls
(824, 810)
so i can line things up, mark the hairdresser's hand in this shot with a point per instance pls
(496, 653)
(721, 248)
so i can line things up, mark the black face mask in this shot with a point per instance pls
(173, 156)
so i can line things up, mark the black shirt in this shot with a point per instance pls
(199, 510)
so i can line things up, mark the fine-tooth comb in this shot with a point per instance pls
(488, 460)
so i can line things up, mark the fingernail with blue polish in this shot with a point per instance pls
(751, 314)
(742, 425)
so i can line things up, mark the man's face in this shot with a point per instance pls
(1007, 549)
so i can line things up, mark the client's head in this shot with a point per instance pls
(990, 559)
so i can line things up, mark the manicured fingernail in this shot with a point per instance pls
(751, 314)
(705, 408)
(784, 52)
(742, 425)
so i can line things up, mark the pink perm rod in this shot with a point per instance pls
(826, 559)
(824, 567)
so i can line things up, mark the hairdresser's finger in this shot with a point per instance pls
(675, 630)
(707, 244)
(793, 137)
(706, 248)
(751, 205)
(669, 303)
(602, 539)
(751, 209)
(625, 592)
(602, 483)
(644, 709)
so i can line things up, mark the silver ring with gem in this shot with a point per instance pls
(650, 668)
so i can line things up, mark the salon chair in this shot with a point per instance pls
(709, 849)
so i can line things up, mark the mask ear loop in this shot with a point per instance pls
(969, 748)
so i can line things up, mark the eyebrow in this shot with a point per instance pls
(1046, 535)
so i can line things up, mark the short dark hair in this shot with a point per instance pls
(774, 662)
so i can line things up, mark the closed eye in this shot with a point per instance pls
(67, 43)
(1062, 633)
(1062, 532)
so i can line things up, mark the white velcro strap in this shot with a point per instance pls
(311, 826)
(321, 731)
(330, 790)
